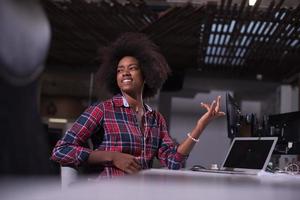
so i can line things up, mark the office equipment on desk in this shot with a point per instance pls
(284, 126)
(233, 116)
(239, 124)
(246, 155)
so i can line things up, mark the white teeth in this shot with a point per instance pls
(126, 81)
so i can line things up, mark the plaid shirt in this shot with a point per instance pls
(113, 126)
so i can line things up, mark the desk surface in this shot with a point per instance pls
(161, 184)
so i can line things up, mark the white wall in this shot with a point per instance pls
(249, 107)
(289, 98)
(295, 99)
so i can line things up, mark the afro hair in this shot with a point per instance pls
(154, 66)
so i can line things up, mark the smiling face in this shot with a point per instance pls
(129, 76)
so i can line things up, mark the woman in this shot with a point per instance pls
(126, 133)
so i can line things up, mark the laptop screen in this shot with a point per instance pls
(250, 153)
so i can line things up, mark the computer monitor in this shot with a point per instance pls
(233, 114)
(285, 126)
(240, 125)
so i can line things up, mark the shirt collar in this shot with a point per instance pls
(120, 100)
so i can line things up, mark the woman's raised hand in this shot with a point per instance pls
(213, 111)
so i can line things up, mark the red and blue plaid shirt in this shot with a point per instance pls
(113, 126)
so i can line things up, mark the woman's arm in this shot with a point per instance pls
(213, 112)
(71, 149)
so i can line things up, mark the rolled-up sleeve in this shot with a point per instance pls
(167, 153)
(70, 149)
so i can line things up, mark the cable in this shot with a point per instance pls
(292, 168)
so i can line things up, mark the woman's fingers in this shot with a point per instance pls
(221, 114)
(136, 164)
(132, 167)
(217, 109)
(205, 106)
(126, 162)
(130, 170)
(208, 107)
(214, 108)
(213, 105)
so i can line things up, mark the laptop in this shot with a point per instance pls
(246, 155)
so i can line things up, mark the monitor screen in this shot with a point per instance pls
(233, 114)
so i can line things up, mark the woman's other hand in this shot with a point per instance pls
(126, 162)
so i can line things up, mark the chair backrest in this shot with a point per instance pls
(69, 175)
(24, 38)
(24, 42)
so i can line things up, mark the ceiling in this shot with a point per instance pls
(223, 39)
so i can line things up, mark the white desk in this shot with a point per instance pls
(161, 184)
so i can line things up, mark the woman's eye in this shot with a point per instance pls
(133, 68)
